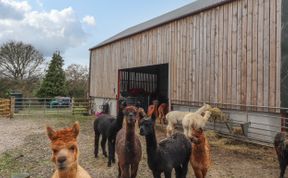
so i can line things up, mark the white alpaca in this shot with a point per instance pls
(175, 117)
(194, 121)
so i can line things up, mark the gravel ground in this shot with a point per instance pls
(24, 148)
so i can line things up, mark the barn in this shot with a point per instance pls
(229, 53)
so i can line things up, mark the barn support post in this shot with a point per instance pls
(284, 62)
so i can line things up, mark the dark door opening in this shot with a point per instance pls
(143, 85)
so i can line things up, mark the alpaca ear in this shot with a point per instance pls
(76, 129)
(50, 133)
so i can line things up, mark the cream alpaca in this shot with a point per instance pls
(175, 117)
(194, 121)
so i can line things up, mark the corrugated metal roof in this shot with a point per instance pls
(189, 9)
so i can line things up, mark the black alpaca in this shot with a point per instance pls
(107, 126)
(172, 152)
(282, 152)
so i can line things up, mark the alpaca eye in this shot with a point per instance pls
(72, 148)
(55, 151)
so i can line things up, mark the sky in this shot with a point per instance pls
(74, 26)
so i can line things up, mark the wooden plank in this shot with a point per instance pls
(221, 56)
(255, 53)
(208, 57)
(272, 72)
(174, 59)
(260, 93)
(191, 56)
(200, 76)
(213, 57)
(234, 54)
(249, 52)
(278, 53)
(194, 67)
(197, 59)
(225, 55)
(266, 56)
(239, 53)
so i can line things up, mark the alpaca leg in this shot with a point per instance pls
(169, 129)
(282, 168)
(125, 172)
(110, 152)
(204, 172)
(156, 174)
(198, 173)
(113, 151)
(119, 170)
(168, 174)
(96, 144)
(103, 145)
(134, 169)
(178, 172)
(185, 169)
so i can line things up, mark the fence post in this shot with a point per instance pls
(72, 106)
(12, 107)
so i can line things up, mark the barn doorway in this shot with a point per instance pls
(144, 84)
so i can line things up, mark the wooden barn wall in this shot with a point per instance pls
(228, 54)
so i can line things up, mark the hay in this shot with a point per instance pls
(217, 115)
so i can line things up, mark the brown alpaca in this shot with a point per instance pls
(162, 111)
(65, 152)
(128, 146)
(140, 115)
(200, 158)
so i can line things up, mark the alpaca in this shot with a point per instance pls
(65, 152)
(140, 115)
(172, 152)
(107, 126)
(152, 109)
(280, 145)
(128, 146)
(162, 111)
(200, 159)
(174, 117)
(194, 121)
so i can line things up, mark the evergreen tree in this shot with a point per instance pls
(54, 83)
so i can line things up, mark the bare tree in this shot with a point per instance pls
(20, 61)
(77, 80)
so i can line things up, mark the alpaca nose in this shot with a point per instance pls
(61, 159)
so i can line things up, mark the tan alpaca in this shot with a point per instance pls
(175, 117)
(65, 152)
(194, 121)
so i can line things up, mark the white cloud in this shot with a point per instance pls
(46, 30)
(89, 20)
(10, 9)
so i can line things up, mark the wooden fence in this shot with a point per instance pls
(7, 108)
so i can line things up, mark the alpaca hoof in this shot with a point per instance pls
(105, 154)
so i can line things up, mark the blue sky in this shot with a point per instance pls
(73, 26)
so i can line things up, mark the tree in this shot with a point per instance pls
(19, 61)
(54, 82)
(77, 80)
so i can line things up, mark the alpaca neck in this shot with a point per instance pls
(151, 147)
(120, 117)
(200, 110)
(206, 116)
(71, 172)
(130, 137)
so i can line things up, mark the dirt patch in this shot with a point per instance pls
(31, 153)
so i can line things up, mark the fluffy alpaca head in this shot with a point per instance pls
(147, 125)
(140, 115)
(64, 146)
(130, 114)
